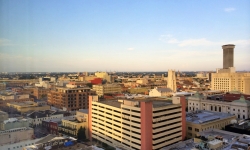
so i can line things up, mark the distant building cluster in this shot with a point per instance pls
(127, 111)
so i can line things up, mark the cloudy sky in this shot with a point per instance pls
(122, 35)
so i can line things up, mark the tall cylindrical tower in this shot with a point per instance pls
(228, 56)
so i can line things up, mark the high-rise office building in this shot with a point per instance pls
(171, 80)
(138, 124)
(228, 56)
(227, 79)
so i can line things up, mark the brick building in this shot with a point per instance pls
(71, 97)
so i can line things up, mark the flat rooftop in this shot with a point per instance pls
(182, 145)
(204, 116)
(220, 133)
(157, 101)
(232, 141)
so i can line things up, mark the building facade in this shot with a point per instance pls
(172, 80)
(231, 81)
(104, 76)
(12, 123)
(203, 120)
(107, 89)
(28, 106)
(40, 92)
(36, 118)
(70, 98)
(240, 108)
(144, 124)
(71, 126)
(16, 135)
(227, 79)
(160, 92)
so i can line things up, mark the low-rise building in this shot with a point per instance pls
(54, 142)
(202, 120)
(2, 86)
(107, 89)
(3, 116)
(103, 75)
(16, 135)
(213, 139)
(4, 102)
(28, 106)
(41, 92)
(10, 96)
(71, 127)
(36, 118)
(221, 103)
(241, 127)
(12, 123)
(158, 92)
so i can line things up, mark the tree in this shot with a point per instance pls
(89, 85)
(81, 134)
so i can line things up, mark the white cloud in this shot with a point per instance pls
(131, 49)
(229, 9)
(201, 41)
(196, 42)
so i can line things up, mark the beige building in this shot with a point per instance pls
(3, 116)
(227, 79)
(12, 123)
(71, 97)
(158, 92)
(172, 80)
(16, 135)
(107, 89)
(142, 81)
(27, 106)
(37, 117)
(71, 127)
(203, 120)
(240, 108)
(103, 75)
(11, 96)
(2, 86)
(231, 81)
(143, 123)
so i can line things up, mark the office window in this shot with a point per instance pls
(190, 128)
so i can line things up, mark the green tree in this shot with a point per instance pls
(89, 85)
(81, 134)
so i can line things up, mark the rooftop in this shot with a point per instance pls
(10, 120)
(223, 97)
(230, 141)
(204, 116)
(182, 145)
(157, 101)
(41, 114)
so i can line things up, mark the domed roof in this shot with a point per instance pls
(197, 95)
(242, 100)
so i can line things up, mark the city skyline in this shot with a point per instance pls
(55, 36)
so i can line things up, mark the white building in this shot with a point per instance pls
(240, 108)
(36, 118)
(160, 92)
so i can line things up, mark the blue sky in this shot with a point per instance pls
(129, 35)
